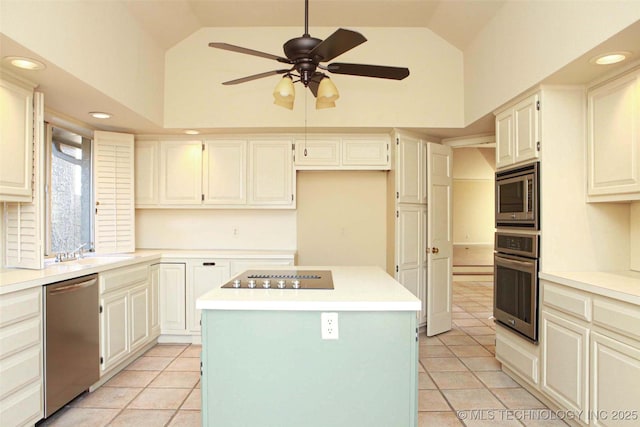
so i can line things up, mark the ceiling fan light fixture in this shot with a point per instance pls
(327, 91)
(320, 105)
(284, 103)
(284, 90)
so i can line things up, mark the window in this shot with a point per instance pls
(69, 219)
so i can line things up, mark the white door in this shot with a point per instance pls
(439, 239)
(408, 169)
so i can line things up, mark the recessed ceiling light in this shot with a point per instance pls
(100, 115)
(25, 63)
(191, 132)
(610, 58)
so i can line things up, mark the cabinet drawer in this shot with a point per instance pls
(21, 305)
(123, 277)
(617, 316)
(567, 301)
(517, 354)
(19, 336)
(19, 370)
(22, 408)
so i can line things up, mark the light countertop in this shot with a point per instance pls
(619, 285)
(355, 289)
(16, 279)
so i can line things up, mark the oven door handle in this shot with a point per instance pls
(514, 263)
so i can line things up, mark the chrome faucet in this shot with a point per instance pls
(77, 253)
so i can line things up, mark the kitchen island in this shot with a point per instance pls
(265, 361)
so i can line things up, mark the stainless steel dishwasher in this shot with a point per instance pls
(71, 340)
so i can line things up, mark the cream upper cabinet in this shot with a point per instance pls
(517, 132)
(225, 173)
(16, 141)
(317, 153)
(146, 172)
(362, 152)
(271, 175)
(358, 152)
(614, 140)
(180, 173)
(410, 169)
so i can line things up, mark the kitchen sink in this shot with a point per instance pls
(99, 260)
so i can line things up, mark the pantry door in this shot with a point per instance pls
(439, 238)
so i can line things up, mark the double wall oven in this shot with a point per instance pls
(517, 250)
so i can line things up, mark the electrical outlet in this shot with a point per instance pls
(329, 326)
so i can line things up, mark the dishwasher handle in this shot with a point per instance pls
(73, 287)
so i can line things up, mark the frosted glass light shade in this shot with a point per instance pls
(284, 93)
(327, 104)
(327, 91)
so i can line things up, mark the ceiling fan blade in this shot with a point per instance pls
(336, 44)
(238, 49)
(379, 71)
(255, 77)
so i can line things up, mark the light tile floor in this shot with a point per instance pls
(460, 381)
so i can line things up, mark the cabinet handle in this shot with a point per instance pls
(207, 264)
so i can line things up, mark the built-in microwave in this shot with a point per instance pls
(517, 197)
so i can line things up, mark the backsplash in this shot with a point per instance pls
(635, 236)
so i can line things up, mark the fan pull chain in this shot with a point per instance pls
(305, 123)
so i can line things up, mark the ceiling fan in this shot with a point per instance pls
(305, 55)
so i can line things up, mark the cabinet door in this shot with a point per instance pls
(614, 138)
(615, 370)
(526, 125)
(204, 276)
(565, 349)
(16, 142)
(271, 177)
(114, 325)
(139, 315)
(146, 173)
(225, 173)
(409, 220)
(360, 153)
(154, 300)
(180, 173)
(409, 170)
(504, 139)
(317, 152)
(172, 298)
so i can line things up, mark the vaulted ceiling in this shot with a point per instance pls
(458, 22)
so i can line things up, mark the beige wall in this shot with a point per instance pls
(214, 229)
(98, 42)
(576, 236)
(342, 218)
(473, 195)
(529, 40)
(431, 96)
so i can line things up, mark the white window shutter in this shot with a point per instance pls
(23, 224)
(114, 220)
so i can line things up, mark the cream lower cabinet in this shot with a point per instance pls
(21, 375)
(203, 275)
(518, 355)
(565, 351)
(590, 355)
(615, 372)
(172, 284)
(125, 314)
(154, 299)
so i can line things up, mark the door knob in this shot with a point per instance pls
(435, 250)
